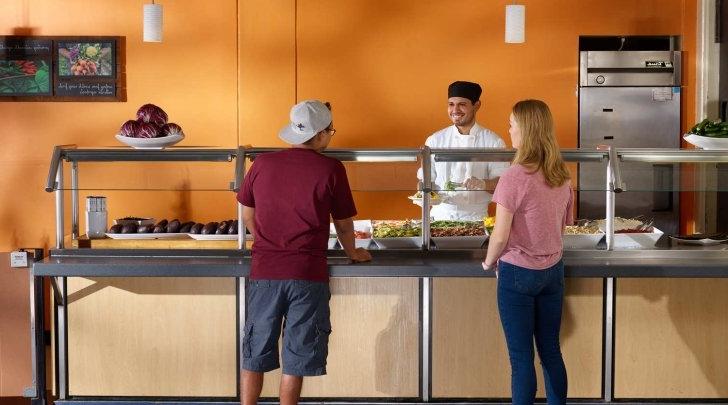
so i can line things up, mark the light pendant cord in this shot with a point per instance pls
(295, 51)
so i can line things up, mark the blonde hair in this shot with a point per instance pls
(538, 147)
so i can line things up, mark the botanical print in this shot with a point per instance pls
(24, 77)
(85, 59)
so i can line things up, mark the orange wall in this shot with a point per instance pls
(385, 65)
(192, 74)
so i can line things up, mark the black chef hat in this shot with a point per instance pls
(468, 90)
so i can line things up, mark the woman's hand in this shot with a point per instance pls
(489, 267)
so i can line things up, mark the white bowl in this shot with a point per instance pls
(150, 143)
(706, 142)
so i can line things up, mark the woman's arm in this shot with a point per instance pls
(499, 237)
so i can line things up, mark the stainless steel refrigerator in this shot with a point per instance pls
(631, 99)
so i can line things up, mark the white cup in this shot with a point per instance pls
(96, 224)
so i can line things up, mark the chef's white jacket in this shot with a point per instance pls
(463, 205)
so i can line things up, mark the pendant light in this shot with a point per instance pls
(152, 22)
(515, 24)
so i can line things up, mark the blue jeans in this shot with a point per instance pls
(530, 303)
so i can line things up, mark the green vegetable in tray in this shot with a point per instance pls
(452, 186)
(396, 229)
(455, 224)
(456, 228)
(713, 129)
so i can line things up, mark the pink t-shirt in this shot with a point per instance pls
(539, 215)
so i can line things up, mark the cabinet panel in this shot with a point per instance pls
(470, 358)
(374, 346)
(152, 337)
(671, 338)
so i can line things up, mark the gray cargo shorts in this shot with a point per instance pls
(302, 307)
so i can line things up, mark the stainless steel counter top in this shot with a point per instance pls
(680, 261)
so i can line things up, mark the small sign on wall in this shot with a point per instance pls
(62, 69)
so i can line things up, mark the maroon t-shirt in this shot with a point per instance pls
(294, 192)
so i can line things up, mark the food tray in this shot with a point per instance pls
(147, 236)
(645, 240)
(407, 242)
(364, 225)
(138, 222)
(199, 236)
(459, 242)
(582, 241)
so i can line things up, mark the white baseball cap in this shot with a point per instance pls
(308, 118)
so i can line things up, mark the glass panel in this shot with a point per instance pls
(386, 191)
(169, 176)
(185, 206)
(673, 177)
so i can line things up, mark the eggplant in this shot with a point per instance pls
(210, 228)
(162, 223)
(173, 226)
(144, 229)
(197, 228)
(233, 228)
(129, 228)
(115, 228)
(222, 228)
(185, 228)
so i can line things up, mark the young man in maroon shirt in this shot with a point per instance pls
(288, 197)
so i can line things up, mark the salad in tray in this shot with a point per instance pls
(457, 228)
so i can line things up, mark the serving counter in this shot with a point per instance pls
(412, 326)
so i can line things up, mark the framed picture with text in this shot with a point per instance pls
(25, 67)
(62, 69)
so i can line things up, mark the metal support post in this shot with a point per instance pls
(59, 207)
(426, 339)
(62, 341)
(608, 340)
(426, 188)
(239, 175)
(37, 391)
(74, 201)
(241, 325)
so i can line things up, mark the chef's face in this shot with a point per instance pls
(515, 131)
(462, 111)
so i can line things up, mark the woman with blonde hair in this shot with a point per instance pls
(534, 203)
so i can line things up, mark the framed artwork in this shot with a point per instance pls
(25, 66)
(85, 68)
(62, 69)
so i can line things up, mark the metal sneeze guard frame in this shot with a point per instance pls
(613, 185)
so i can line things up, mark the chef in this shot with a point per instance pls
(473, 182)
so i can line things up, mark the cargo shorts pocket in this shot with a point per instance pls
(321, 346)
(247, 337)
